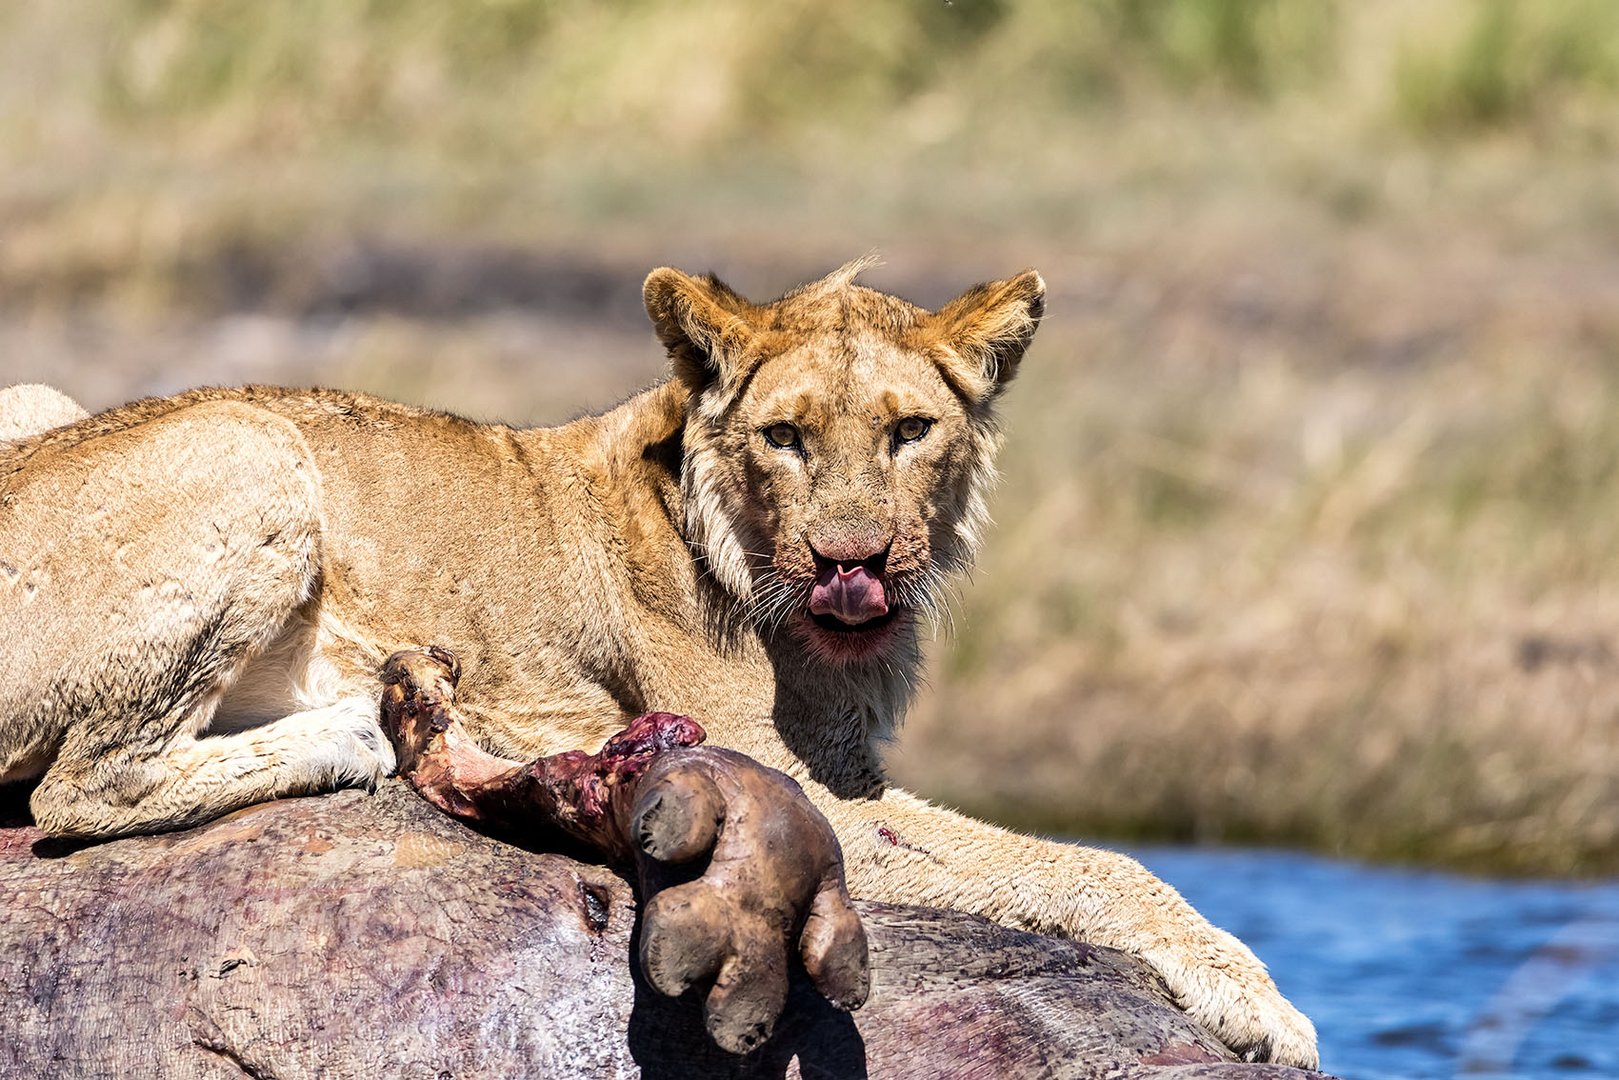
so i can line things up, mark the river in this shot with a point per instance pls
(1412, 974)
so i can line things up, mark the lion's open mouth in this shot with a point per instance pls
(850, 607)
(851, 594)
(838, 626)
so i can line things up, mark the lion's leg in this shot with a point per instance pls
(194, 779)
(899, 849)
(140, 570)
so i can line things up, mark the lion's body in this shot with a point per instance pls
(207, 584)
(549, 558)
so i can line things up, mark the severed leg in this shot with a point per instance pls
(737, 869)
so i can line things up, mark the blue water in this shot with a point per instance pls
(1411, 974)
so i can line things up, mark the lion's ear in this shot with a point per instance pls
(988, 327)
(701, 321)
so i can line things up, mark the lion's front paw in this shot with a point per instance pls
(1226, 989)
(373, 753)
(1266, 1028)
(347, 747)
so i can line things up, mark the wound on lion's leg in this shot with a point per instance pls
(572, 791)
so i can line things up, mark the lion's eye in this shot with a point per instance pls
(911, 429)
(782, 436)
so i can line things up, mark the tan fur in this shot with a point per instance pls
(200, 589)
(30, 408)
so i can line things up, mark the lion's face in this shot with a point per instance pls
(839, 445)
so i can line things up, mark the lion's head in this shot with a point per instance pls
(839, 444)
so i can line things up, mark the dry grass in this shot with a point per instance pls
(1307, 535)
(1294, 582)
(141, 140)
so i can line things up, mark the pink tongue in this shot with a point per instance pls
(850, 596)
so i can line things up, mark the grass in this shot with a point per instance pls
(1507, 63)
(141, 138)
(1306, 535)
(1364, 611)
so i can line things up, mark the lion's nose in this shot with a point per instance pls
(849, 552)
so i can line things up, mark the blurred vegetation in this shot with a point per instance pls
(488, 78)
(220, 123)
(1510, 63)
(1307, 534)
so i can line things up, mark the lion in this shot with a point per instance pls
(208, 584)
